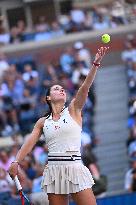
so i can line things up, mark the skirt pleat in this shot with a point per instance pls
(66, 178)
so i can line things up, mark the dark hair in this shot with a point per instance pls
(48, 113)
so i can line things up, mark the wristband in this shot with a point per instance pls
(15, 162)
(96, 64)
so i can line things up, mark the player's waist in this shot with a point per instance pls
(64, 153)
(68, 156)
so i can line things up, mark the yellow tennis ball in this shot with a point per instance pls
(105, 38)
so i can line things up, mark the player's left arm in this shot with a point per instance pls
(82, 93)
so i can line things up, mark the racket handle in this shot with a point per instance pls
(17, 182)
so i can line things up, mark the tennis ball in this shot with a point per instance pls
(105, 38)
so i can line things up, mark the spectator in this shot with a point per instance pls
(131, 39)
(56, 30)
(101, 23)
(129, 54)
(66, 23)
(6, 186)
(133, 186)
(29, 72)
(42, 30)
(5, 181)
(21, 27)
(12, 87)
(15, 35)
(112, 22)
(83, 54)
(4, 66)
(88, 23)
(4, 37)
(66, 60)
(11, 114)
(79, 69)
(32, 86)
(5, 160)
(130, 177)
(132, 69)
(42, 25)
(132, 149)
(132, 136)
(118, 12)
(78, 18)
(5, 129)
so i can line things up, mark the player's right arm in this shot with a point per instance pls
(79, 101)
(27, 146)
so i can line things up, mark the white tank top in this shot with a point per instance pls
(62, 135)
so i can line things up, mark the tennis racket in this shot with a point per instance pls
(21, 193)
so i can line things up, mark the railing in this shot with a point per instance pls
(69, 38)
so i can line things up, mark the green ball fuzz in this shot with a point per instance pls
(106, 38)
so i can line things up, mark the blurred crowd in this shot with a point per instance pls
(129, 59)
(96, 18)
(30, 174)
(23, 85)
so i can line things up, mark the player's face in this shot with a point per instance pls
(57, 93)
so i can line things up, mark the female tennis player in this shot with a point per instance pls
(65, 173)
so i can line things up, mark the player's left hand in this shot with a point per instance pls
(100, 54)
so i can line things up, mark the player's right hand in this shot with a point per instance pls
(13, 169)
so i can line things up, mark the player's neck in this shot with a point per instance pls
(57, 109)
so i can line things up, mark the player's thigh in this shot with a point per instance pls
(84, 197)
(58, 199)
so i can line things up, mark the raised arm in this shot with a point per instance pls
(27, 146)
(82, 92)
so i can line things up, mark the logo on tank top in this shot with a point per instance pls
(57, 127)
(65, 121)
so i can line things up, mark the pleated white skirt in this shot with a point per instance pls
(65, 177)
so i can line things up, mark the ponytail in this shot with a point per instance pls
(48, 113)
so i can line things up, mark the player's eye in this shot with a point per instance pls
(62, 90)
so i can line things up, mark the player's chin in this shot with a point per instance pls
(61, 98)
